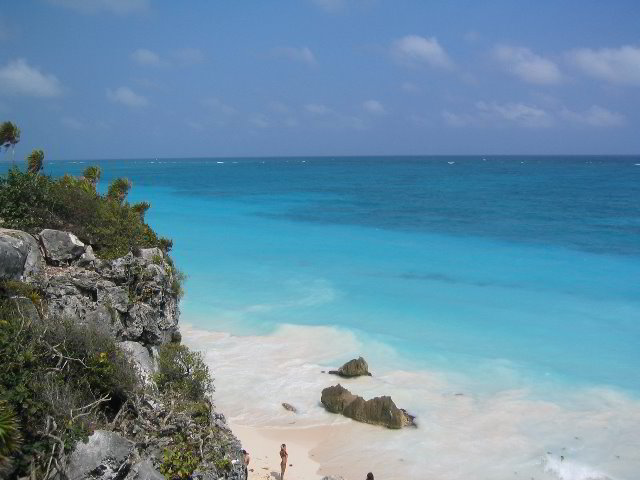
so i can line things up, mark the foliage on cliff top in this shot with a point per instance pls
(32, 202)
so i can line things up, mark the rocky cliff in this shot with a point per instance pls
(135, 299)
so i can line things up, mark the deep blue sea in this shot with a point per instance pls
(513, 279)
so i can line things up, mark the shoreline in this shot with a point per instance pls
(496, 433)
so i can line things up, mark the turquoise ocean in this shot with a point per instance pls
(497, 298)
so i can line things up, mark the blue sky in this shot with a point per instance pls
(151, 78)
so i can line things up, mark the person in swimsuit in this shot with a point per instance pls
(284, 457)
(247, 459)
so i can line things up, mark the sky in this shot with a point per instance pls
(94, 79)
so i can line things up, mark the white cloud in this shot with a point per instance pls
(527, 65)
(297, 54)
(113, 6)
(374, 107)
(317, 109)
(187, 56)
(594, 116)
(615, 65)
(147, 58)
(218, 106)
(519, 114)
(18, 78)
(126, 96)
(493, 114)
(527, 115)
(416, 50)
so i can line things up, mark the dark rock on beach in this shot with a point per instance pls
(376, 411)
(353, 368)
(291, 408)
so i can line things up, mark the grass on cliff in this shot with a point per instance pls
(59, 380)
(31, 202)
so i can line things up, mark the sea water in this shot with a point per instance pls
(496, 298)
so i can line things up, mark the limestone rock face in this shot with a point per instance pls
(26, 308)
(353, 368)
(105, 456)
(144, 471)
(60, 247)
(141, 358)
(130, 296)
(149, 254)
(376, 411)
(20, 256)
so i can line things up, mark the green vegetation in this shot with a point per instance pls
(10, 438)
(61, 380)
(92, 174)
(9, 136)
(177, 281)
(32, 202)
(179, 460)
(141, 208)
(35, 161)
(112, 226)
(182, 373)
(119, 189)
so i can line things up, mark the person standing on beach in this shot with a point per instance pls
(369, 476)
(247, 459)
(284, 457)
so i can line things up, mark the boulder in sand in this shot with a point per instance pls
(376, 411)
(291, 408)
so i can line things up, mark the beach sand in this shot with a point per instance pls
(263, 444)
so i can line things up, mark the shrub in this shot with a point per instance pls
(179, 461)
(182, 373)
(112, 226)
(10, 437)
(61, 379)
(223, 464)
(177, 281)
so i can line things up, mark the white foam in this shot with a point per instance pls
(476, 435)
(565, 469)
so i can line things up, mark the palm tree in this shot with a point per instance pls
(141, 208)
(35, 160)
(118, 189)
(93, 174)
(9, 137)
